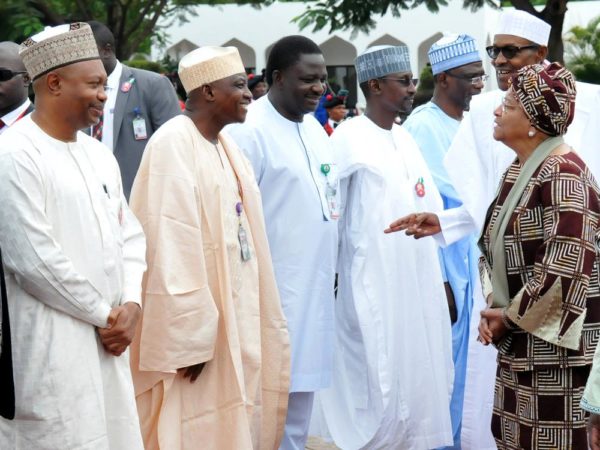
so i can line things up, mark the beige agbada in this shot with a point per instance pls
(203, 303)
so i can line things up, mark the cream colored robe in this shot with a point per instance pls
(203, 304)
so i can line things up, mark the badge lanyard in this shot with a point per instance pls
(239, 208)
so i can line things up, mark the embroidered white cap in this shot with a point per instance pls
(452, 51)
(381, 60)
(207, 64)
(525, 25)
(57, 47)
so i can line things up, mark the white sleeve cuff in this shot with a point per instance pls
(100, 315)
(132, 294)
(456, 223)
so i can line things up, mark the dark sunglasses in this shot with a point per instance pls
(6, 74)
(406, 82)
(509, 51)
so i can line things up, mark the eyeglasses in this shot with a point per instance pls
(6, 74)
(509, 51)
(473, 80)
(403, 81)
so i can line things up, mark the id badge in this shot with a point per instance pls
(332, 201)
(139, 129)
(243, 238)
(331, 190)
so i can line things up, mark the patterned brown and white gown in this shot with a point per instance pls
(552, 270)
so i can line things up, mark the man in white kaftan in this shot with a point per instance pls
(296, 174)
(73, 256)
(393, 369)
(458, 75)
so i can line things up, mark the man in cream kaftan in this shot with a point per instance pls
(72, 253)
(204, 302)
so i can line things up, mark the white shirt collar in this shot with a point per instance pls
(10, 118)
(112, 83)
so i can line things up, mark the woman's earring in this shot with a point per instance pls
(531, 133)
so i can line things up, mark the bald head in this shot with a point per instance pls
(13, 88)
(105, 41)
(9, 56)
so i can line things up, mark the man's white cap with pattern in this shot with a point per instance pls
(381, 60)
(525, 25)
(452, 51)
(207, 64)
(57, 47)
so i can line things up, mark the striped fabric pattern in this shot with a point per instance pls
(552, 237)
(552, 259)
(540, 409)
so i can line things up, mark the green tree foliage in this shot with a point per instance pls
(360, 15)
(133, 22)
(583, 51)
(152, 66)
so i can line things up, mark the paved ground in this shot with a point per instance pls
(315, 443)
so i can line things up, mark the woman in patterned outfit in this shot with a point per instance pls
(540, 268)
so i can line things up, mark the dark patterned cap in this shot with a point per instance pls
(547, 95)
(57, 47)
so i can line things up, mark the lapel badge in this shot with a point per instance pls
(126, 86)
(420, 187)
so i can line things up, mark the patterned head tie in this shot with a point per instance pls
(547, 94)
(57, 47)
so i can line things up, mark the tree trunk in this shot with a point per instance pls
(554, 14)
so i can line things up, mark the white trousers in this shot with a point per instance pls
(300, 405)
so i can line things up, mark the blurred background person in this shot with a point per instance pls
(257, 85)
(138, 103)
(335, 105)
(14, 85)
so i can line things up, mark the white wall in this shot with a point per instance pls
(260, 28)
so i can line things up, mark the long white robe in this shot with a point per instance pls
(393, 370)
(203, 304)
(72, 250)
(287, 158)
(475, 163)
